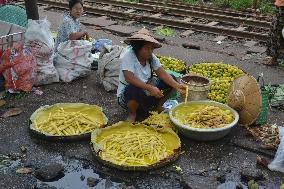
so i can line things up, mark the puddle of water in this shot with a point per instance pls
(4, 161)
(233, 185)
(7, 163)
(76, 177)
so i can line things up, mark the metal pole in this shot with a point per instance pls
(31, 9)
(254, 5)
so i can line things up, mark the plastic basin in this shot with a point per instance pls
(205, 134)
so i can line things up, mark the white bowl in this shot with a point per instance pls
(205, 134)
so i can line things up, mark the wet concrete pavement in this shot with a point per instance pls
(203, 164)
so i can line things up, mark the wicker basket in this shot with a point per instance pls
(198, 86)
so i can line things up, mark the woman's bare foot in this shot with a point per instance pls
(160, 109)
(132, 108)
(131, 118)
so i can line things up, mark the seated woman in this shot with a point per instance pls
(70, 29)
(138, 90)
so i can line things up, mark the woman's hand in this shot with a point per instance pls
(154, 91)
(79, 35)
(85, 35)
(181, 88)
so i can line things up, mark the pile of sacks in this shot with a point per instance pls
(35, 62)
(39, 40)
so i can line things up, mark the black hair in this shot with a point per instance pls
(74, 2)
(137, 45)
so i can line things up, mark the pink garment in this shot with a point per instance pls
(279, 3)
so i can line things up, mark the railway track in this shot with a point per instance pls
(173, 18)
(181, 11)
(213, 10)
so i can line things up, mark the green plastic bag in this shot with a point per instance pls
(262, 118)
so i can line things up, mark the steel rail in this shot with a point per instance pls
(162, 21)
(187, 13)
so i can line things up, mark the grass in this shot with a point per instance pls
(133, 1)
(281, 65)
(264, 6)
(221, 3)
(166, 31)
(241, 4)
(192, 2)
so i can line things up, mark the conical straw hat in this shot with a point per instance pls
(143, 35)
(245, 97)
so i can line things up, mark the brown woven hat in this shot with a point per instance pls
(143, 35)
(245, 97)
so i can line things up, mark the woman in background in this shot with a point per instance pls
(70, 29)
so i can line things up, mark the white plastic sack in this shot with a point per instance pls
(39, 40)
(278, 163)
(73, 59)
(109, 66)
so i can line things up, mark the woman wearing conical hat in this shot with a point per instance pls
(139, 90)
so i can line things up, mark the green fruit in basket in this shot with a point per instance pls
(221, 76)
(219, 90)
(216, 70)
(173, 64)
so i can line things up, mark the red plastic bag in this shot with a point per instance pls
(2, 2)
(18, 67)
(1, 52)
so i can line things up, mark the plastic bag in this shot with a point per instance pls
(98, 45)
(278, 163)
(2, 2)
(2, 80)
(73, 59)
(18, 68)
(1, 53)
(39, 39)
(109, 67)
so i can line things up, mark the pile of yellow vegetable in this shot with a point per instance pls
(203, 116)
(221, 76)
(173, 64)
(65, 123)
(159, 120)
(141, 148)
(130, 146)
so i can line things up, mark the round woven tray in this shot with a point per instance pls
(96, 150)
(157, 165)
(40, 135)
